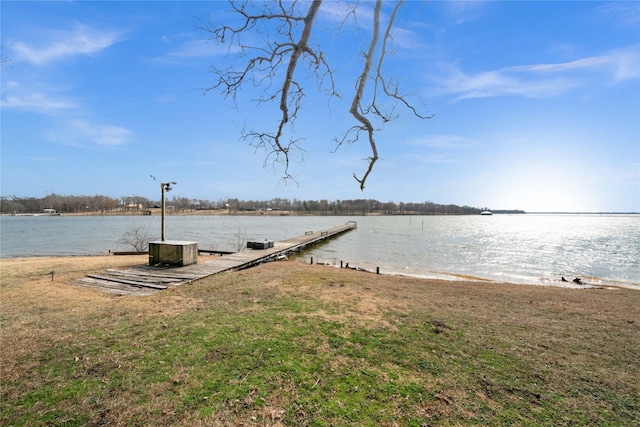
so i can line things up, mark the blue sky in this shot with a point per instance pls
(536, 106)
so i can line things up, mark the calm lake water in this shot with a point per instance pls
(530, 248)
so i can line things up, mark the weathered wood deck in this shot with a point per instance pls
(146, 279)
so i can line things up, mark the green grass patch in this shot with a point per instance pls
(281, 355)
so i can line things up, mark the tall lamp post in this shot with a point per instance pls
(164, 186)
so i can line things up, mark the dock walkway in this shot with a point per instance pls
(147, 279)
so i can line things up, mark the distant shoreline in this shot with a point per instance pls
(214, 212)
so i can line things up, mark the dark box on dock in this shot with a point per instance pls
(173, 252)
(266, 244)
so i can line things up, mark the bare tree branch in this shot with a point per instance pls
(288, 80)
(285, 35)
(281, 47)
(356, 103)
(385, 85)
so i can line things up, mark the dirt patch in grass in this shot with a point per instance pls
(294, 344)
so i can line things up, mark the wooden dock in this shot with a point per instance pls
(147, 279)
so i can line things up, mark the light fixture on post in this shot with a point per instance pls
(164, 186)
(175, 253)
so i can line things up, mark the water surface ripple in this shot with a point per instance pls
(530, 248)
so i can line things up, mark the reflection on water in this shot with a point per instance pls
(601, 249)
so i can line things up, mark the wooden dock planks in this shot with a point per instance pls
(145, 279)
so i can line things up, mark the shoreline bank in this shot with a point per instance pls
(100, 260)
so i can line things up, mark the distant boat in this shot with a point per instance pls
(486, 213)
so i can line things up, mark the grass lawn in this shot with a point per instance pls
(293, 344)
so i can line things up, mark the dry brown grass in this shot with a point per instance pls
(567, 337)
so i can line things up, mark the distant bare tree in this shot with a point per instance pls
(241, 240)
(138, 238)
(284, 30)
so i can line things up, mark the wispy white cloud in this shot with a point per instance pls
(194, 49)
(435, 158)
(621, 64)
(68, 129)
(461, 12)
(42, 97)
(501, 83)
(406, 39)
(341, 13)
(440, 148)
(198, 49)
(444, 141)
(622, 14)
(58, 44)
(35, 98)
(544, 80)
(37, 102)
(83, 133)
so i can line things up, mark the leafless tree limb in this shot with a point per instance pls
(285, 35)
(280, 47)
(356, 103)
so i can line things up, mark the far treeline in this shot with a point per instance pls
(139, 205)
